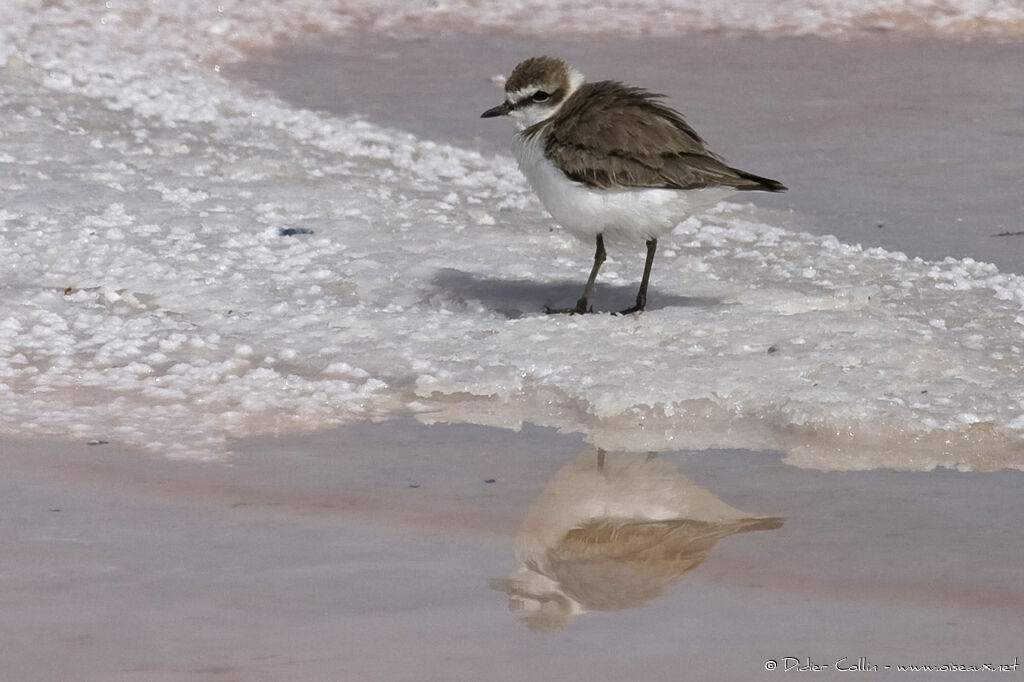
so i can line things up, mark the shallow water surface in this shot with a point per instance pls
(395, 551)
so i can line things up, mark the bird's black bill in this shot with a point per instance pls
(500, 110)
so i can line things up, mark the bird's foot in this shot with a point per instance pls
(581, 308)
(641, 303)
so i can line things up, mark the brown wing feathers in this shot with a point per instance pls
(643, 143)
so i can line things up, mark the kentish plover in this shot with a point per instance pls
(610, 159)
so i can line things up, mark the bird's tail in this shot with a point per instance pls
(751, 182)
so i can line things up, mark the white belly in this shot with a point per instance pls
(633, 214)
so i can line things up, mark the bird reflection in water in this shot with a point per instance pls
(611, 531)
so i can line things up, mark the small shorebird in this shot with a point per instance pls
(610, 159)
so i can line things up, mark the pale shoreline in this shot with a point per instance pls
(196, 311)
(366, 552)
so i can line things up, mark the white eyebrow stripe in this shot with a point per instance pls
(520, 94)
(576, 79)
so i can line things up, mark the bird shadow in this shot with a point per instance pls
(514, 298)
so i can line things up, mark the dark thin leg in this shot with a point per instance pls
(581, 305)
(641, 296)
(599, 256)
(600, 459)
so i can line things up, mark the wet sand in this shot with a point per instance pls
(386, 552)
(914, 145)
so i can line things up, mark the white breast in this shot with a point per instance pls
(633, 214)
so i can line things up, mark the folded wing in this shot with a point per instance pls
(609, 135)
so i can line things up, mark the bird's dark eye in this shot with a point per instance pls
(540, 96)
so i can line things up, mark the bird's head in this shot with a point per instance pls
(536, 90)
